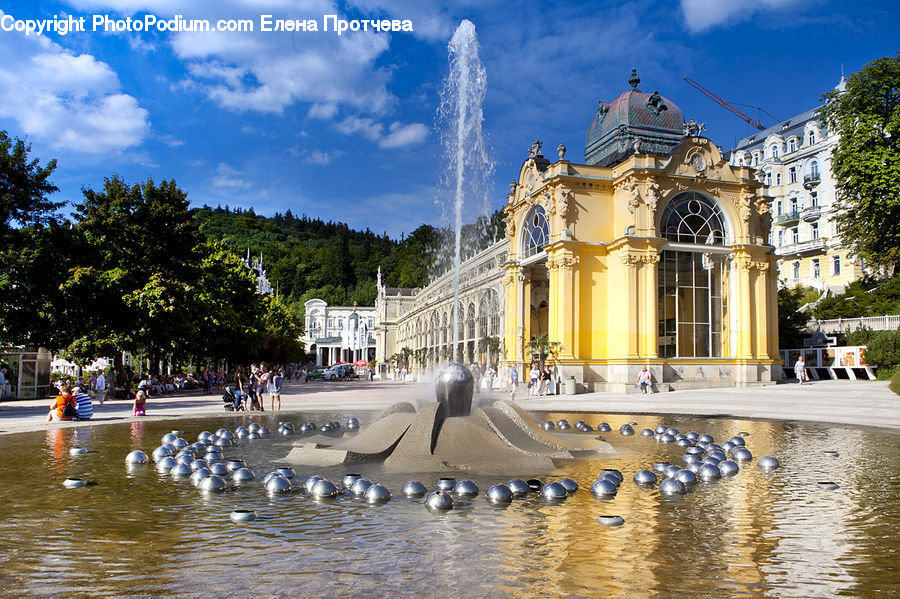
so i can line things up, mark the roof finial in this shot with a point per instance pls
(634, 80)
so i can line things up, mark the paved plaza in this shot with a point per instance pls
(859, 403)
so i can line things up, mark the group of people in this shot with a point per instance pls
(540, 381)
(250, 385)
(72, 403)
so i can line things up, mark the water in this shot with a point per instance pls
(139, 533)
(467, 164)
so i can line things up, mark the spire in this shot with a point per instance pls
(634, 80)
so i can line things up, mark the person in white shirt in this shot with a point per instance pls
(101, 387)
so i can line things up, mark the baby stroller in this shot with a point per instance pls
(228, 399)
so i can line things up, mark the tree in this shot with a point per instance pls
(541, 345)
(866, 161)
(791, 320)
(24, 186)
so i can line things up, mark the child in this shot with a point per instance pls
(139, 400)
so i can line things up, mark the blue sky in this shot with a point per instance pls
(343, 127)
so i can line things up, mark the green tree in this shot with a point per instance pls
(541, 345)
(866, 161)
(24, 186)
(791, 320)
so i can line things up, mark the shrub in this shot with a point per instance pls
(883, 349)
(895, 382)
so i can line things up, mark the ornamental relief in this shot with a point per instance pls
(564, 195)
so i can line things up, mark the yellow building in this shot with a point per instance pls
(653, 253)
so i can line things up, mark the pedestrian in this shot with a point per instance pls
(513, 381)
(645, 381)
(273, 386)
(800, 370)
(100, 387)
(83, 406)
(207, 380)
(62, 408)
(262, 382)
(140, 399)
(545, 380)
(533, 379)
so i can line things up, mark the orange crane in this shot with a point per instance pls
(719, 100)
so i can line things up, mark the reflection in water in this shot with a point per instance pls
(134, 531)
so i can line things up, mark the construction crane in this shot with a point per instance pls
(719, 100)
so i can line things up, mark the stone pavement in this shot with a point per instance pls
(858, 403)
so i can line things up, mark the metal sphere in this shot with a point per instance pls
(711, 460)
(612, 473)
(219, 469)
(360, 486)
(213, 484)
(324, 488)
(645, 477)
(254, 427)
(686, 477)
(439, 500)
(310, 482)
(568, 484)
(77, 451)
(204, 435)
(604, 487)
(263, 430)
(547, 425)
(684, 442)
(446, 483)
(352, 425)
(603, 427)
(666, 438)
(414, 488)
(169, 438)
(234, 463)
(377, 494)
(465, 488)
(728, 468)
(695, 467)
(670, 470)
(253, 436)
(349, 479)
(136, 457)
(611, 521)
(671, 431)
(534, 484)
(287, 431)
(690, 458)
(224, 442)
(828, 485)
(286, 471)
(74, 483)
(661, 466)
(243, 434)
(213, 453)
(268, 476)
(278, 484)
(768, 463)
(242, 475)
(694, 450)
(242, 515)
(647, 432)
(741, 454)
(727, 446)
(705, 438)
(179, 443)
(198, 464)
(453, 388)
(199, 474)
(692, 436)
(165, 464)
(499, 493)
(717, 455)
(518, 487)
(660, 429)
(709, 472)
(553, 491)
(738, 441)
(562, 423)
(180, 471)
(671, 486)
(626, 430)
(226, 434)
(161, 452)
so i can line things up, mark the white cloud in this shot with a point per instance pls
(71, 101)
(324, 111)
(404, 135)
(320, 157)
(700, 15)
(369, 128)
(229, 177)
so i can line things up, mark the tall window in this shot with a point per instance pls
(780, 237)
(792, 144)
(774, 151)
(768, 178)
(792, 174)
(777, 178)
(795, 235)
(794, 204)
(815, 268)
(692, 280)
(835, 265)
(778, 207)
(814, 230)
(813, 198)
(814, 169)
(811, 137)
(536, 232)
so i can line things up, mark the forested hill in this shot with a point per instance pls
(307, 257)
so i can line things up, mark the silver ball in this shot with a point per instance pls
(213, 484)
(360, 486)
(243, 434)
(234, 464)
(738, 441)
(278, 484)
(165, 464)
(499, 493)
(74, 483)
(136, 457)
(568, 484)
(661, 466)
(695, 467)
(223, 442)
(728, 468)
(204, 435)
(226, 435)
(741, 454)
(377, 494)
(547, 425)
(666, 438)
(709, 472)
(324, 488)
(310, 482)
(349, 479)
(161, 452)
(710, 460)
(219, 469)
(727, 446)
(671, 431)
(242, 515)
(287, 431)
(414, 488)
(180, 471)
(242, 475)
(684, 442)
(612, 473)
(645, 477)
(670, 486)
(694, 450)
(169, 438)
(254, 435)
(553, 491)
(686, 477)
(690, 458)
(692, 436)
(179, 443)
(446, 483)
(768, 463)
(518, 487)
(604, 487)
(705, 438)
(286, 471)
(465, 488)
(611, 521)
(660, 429)
(716, 455)
(198, 464)
(439, 500)
(603, 427)
(563, 424)
(670, 470)
(626, 430)
(199, 474)
(254, 427)
(647, 432)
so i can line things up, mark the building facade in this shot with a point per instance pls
(652, 253)
(339, 333)
(793, 160)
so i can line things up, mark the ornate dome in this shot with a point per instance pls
(634, 121)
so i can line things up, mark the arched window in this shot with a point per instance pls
(814, 169)
(444, 329)
(811, 137)
(792, 145)
(535, 232)
(774, 151)
(489, 314)
(692, 218)
(470, 322)
(693, 282)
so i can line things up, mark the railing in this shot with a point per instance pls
(810, 214)
(810, 181)
(813, 245)
(787, 217)
(836, 325)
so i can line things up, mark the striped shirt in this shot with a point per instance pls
(83, 406)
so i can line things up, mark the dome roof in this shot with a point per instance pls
(635, 115)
